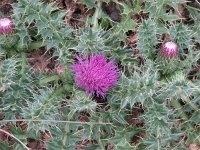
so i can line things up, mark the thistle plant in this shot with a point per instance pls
(126, 78)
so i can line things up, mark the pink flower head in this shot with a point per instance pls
(60, 69)
(6, 25)
(95, 74)
(169, 50)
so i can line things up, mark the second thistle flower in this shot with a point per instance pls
(6, 25)
(95, 74)
(169, 50)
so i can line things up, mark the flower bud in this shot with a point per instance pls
(6, 25)
(169, 50)
(60, 69)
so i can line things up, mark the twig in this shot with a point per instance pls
(197, 2)
(9, 134)
(59, 121)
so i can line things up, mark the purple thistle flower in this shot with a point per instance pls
(95, 74)
(5, 25)
(169, 50)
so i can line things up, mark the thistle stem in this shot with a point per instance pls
(23, 57)
(66, 129)
(96, 15)
(11, 135)
(58, 121)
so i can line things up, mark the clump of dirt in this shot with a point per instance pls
(5, 137)
(136, 121)
(76, 13)
(36, 144)
(46, 135)
(81, 145)
(134, 116)
(2, 116)
(112, 11)
(6, 6)
(23, 125)
(193, 73)
(136, 138)
(41, 61)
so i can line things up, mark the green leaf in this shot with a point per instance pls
(147, 38)
(170, 17)
(125, 102)
(89, 3)
(32, 17)
(123, 144)
(195, 118)
(82, 102)
(126, 9)
(119, 118)
(193, 137)
(126, 24)
(5, 146)
(123, 136)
